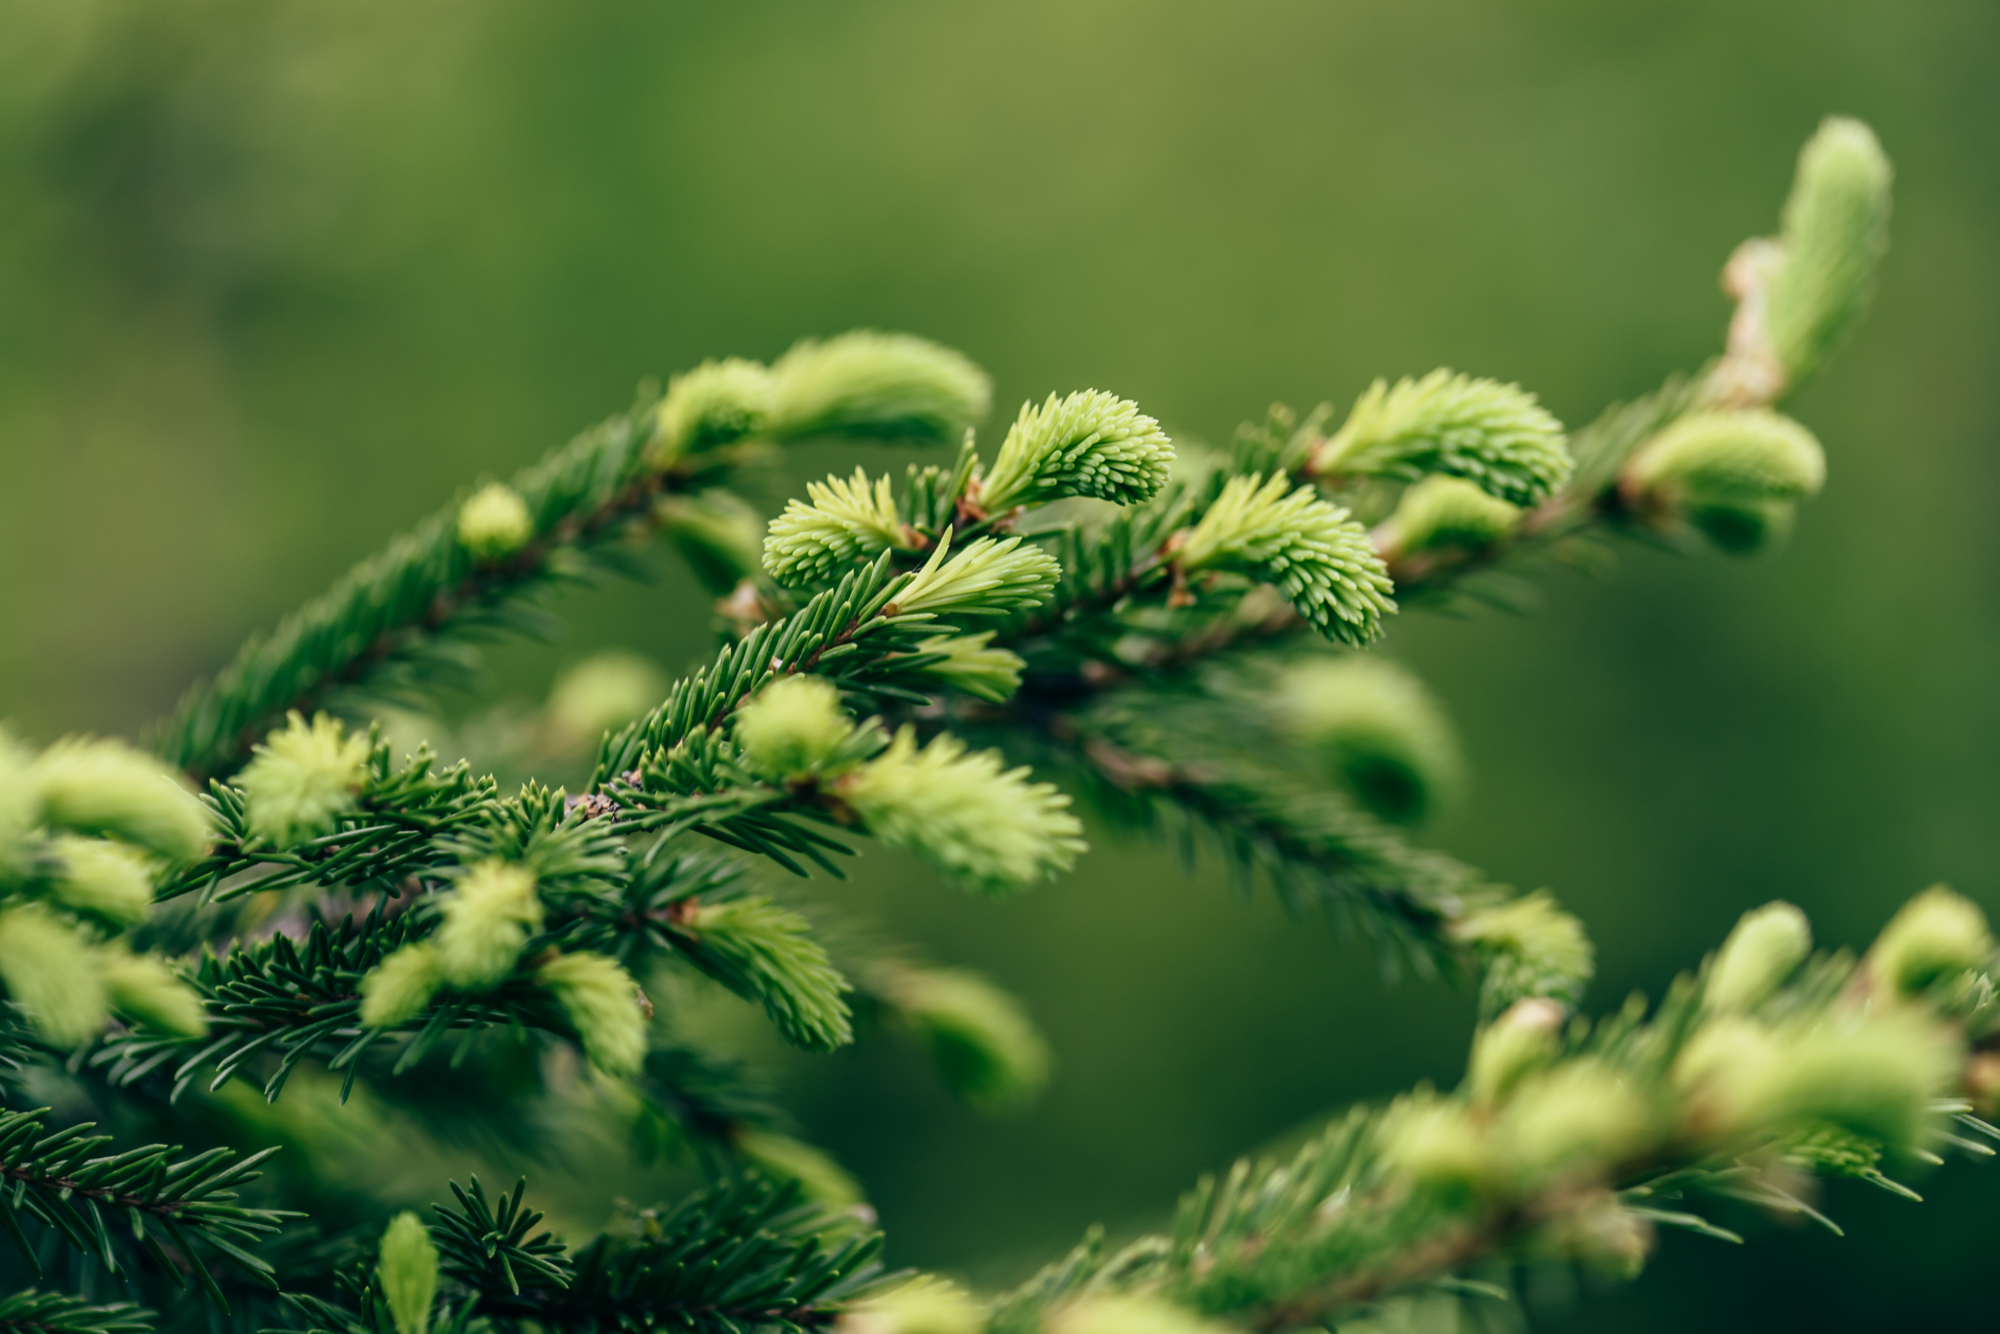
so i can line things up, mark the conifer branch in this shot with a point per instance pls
(407, 617)
(33, 1312)
(64, 1181)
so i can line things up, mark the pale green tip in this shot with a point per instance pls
(1937, 936)
(494, 522)
(106, 787)
(408, 1272)
(1767, 946)
(487, 918)
(602, 1003)
(1379, 731)
(301, 779)
(794, 727)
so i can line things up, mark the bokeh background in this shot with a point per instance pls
(277, 276)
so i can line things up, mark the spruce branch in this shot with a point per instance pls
(1577, 1140)
(406, 618)
(32, 1312)
(64, 1181)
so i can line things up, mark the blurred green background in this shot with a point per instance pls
(275, 277)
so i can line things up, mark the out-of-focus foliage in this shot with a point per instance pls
(274, 277)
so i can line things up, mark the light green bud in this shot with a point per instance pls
(991, 674)
(875, 384)
(106, 787)
(1495, 435)
(107, 880)
(1378, 729)
(1288, 537)
(1578, 1118)
(983, 578)
(494, 522)
(1937, 936)
(1436, 1142)
(1755, 454)
(146, 989)
(408, 1271)
(1128, 1313)
(602, 1003)
(1767, 946)
(1527, 946)
(1601, 1232)
(1836, 227)
(1876, 1075)
(20, 810)
(487, 919)
(794, 727)
(924, 1305)
(1442, 511)
(783, 1158)
(1524, 1038)
(51, 972)
(983, 826)
(397, 989)
(1087, 444)
(842, 521)
(985, 1045)
(715, 404)
(1731, 474)
(718, 533)
(301, 779)
(604, 691)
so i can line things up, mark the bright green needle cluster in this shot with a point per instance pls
(494, 522)
(985, 1045)
(484, 923)
(716, 404)
(604, 1005)
(1088, 443)
(983, 825)
(408, 1272)
(795, 727)
(986, 577)
(1445, 512)
(761, 949)
(1311, 551)
(876, 384)
(970, 664)
(1735, 475)
(1378, 729)
(847, 520)
(1497, 436)
(302, 778)
(1836, 228)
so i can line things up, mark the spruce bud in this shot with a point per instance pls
(408, 1271)
(487, 919)
(875, 384)
(494, 522)
(991, 674)
(146, 989)
(1441, 512)
(1836, 227)
(602, 1003)
(107, 880)
(1087, 444)
(51, 973)
(301, 779)
(1579, 1117)
(1733, 475)
(106, 787)
(1436, 1142)
(985, 1045)
(984, 826)
(783, 1158)
(924, 1305)
(1128, 1313)
(397, 989)
(715, 404)
(1522, 1039)
(1937, 936)
(1378, 729)
(1767, 946)
(794, 727)
(1527, 946)
(604, 691)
